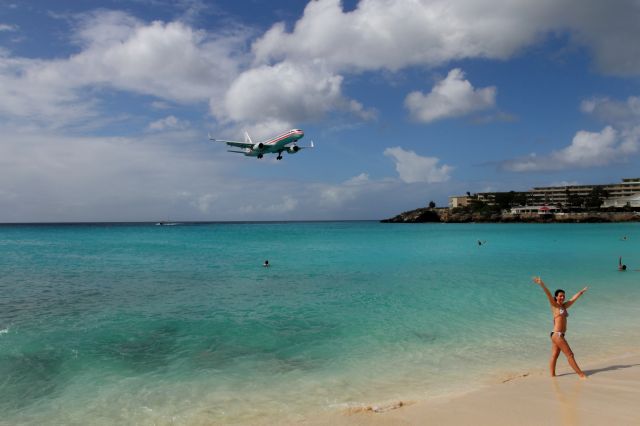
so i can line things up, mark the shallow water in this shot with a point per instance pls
(146, 324)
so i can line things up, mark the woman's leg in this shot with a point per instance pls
(566, 349)
(555, 352)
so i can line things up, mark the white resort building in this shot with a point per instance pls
(550, 199)
(540, 210)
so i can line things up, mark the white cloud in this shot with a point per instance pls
(49, 177)
(349, 190)
(608, 29)
(167, 60)
(587, 149)
(413, 168)
(285, 92)
(564, 183)
(359, 197)
(625, 113)
(8, 28)
(170, 122)
(170, 61)
(617, 142)
(394, 34)
(451, 97)
(119, 51)
(204, 202)
(52, 177)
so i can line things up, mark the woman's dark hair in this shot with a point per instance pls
(558, 291)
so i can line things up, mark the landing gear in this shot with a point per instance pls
(259, 156)
(279, 157)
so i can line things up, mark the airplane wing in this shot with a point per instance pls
(305, 147)
(237, 144)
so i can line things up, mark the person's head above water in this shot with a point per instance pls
(559, 295)
(621, 267)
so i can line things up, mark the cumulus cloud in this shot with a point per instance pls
(587, 149)
(347, 191)
(451, 97)
(287, 93)
(117, 50)
(413, 168)
(607, 29)
(167, 60)
(170, 122)
(622, 113)
(171, 61)
(394, 34)
(288, 76)
(617, 142)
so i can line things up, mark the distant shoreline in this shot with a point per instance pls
(444, 215)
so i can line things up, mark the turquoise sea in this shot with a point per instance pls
(140, 324)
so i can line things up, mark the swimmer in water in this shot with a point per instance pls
(621, 267)
(266, 264)
(558, 342)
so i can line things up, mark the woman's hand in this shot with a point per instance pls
(538, 281)
(584, 290)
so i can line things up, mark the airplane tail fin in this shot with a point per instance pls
(247, 138)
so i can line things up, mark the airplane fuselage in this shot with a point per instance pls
(277, 145)
(285, 142)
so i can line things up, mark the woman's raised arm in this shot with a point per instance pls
(552, 300)
(575, 297)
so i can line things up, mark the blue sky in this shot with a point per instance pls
(105, 106)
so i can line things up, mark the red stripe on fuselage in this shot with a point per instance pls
(282, 137)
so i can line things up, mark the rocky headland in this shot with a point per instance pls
(446, 215)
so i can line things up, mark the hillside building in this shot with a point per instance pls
(616, 195)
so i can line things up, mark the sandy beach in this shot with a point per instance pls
(610, 396)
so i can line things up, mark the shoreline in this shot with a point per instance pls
(608, 396)
(446, 215)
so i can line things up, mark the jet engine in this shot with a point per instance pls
(293, 149)
(258, 147)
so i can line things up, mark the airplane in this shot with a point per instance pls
(286, 142)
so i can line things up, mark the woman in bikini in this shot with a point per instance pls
(558, 343)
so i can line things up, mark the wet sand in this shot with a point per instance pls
(609, 396)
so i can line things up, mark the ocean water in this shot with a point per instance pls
(144, 324)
